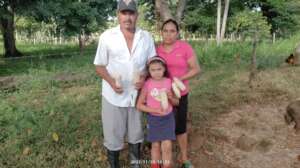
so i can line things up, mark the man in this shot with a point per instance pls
(122, 52)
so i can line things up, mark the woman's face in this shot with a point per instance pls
(169, 33)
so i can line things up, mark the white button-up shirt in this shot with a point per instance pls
(113, 53)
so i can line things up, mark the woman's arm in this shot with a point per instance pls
(194, 68)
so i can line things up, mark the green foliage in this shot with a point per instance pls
(200, 19)
(75, 16)
(281, 14)
(144, 20)
(248, 23)
(21, 7)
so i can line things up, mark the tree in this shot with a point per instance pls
(75, 17)
(254, 25)
(200, 17)
(8, 8)
(224, 19)
(146, 17)
(219, 10)
(282, 15)
(221, 28)
(164, 10)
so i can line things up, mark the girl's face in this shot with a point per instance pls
(156, 70)
(169, 33)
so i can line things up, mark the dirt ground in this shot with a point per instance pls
(250, 136)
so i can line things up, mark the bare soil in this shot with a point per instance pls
(249, 136)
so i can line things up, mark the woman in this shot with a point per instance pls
(182, 63)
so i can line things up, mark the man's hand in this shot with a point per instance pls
(117, 89)
(103, 73)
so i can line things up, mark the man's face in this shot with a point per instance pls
(127, 19)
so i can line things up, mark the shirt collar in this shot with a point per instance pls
(118, 30)
(137, 36)
(175, 46)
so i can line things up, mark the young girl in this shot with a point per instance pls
(160, 118)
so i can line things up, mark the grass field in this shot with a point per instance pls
(50, 113)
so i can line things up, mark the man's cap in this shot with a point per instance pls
(127, 5)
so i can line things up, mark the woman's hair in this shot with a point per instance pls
(157, 59)
(170, 21)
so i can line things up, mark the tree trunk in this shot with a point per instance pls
(224, 19)
(81, 43)
(162, 11)
(219, 8)
(7, 29)
(253, 61)
(180, 9)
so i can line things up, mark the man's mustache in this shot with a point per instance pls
(128, 21)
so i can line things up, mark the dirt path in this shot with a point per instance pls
(251, 136)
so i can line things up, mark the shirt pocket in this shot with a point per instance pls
(117, 53)
(140, 57)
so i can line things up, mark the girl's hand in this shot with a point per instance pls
(169, 94)
(160, 111)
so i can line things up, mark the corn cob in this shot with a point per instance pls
(118, 79)
(136, 77)
(164, 100)
(179, 84)
(176, 90)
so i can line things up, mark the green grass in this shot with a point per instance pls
(42, 106)
(42, 103)
(44, 49)
(268, 55)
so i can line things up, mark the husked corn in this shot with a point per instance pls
(176, 90)
(136, 77)
(118, 78)
(164, 100)
(179, 84)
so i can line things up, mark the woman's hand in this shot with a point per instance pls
(174, 100)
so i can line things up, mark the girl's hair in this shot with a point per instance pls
(157, 59)
(170, 21)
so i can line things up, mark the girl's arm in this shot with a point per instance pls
(174, 100)
(141, 104)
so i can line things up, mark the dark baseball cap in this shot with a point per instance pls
(127, 5)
